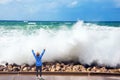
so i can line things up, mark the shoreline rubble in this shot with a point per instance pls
(58, 67)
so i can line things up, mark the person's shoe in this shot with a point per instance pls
(37, 78)
(41, 78)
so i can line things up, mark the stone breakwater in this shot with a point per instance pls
(58, 67)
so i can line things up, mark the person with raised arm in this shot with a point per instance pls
(38, 58)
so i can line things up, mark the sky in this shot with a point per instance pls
(60, 10)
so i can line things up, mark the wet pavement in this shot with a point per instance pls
(57, 77)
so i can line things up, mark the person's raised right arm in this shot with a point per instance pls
(33, 53)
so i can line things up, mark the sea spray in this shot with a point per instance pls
(83, 42)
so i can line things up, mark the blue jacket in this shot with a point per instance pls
(38, 58)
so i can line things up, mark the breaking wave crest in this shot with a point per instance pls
(83, 42)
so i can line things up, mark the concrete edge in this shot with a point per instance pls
(64, 73)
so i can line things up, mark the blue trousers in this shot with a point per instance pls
(37, 69)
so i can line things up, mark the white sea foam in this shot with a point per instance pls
(84, 42)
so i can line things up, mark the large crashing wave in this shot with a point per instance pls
(84, 42)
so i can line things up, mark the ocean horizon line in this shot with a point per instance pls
(52, 21)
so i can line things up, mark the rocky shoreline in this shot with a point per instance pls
(58, 67)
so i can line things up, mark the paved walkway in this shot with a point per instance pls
(57, 77)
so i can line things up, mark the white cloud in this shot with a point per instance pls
(72, 4)
(8, 1)
(5, 1)
(39, 6)
(117, 3)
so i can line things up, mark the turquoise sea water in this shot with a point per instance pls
(83, 41)
(34, 24)
(50, 24)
